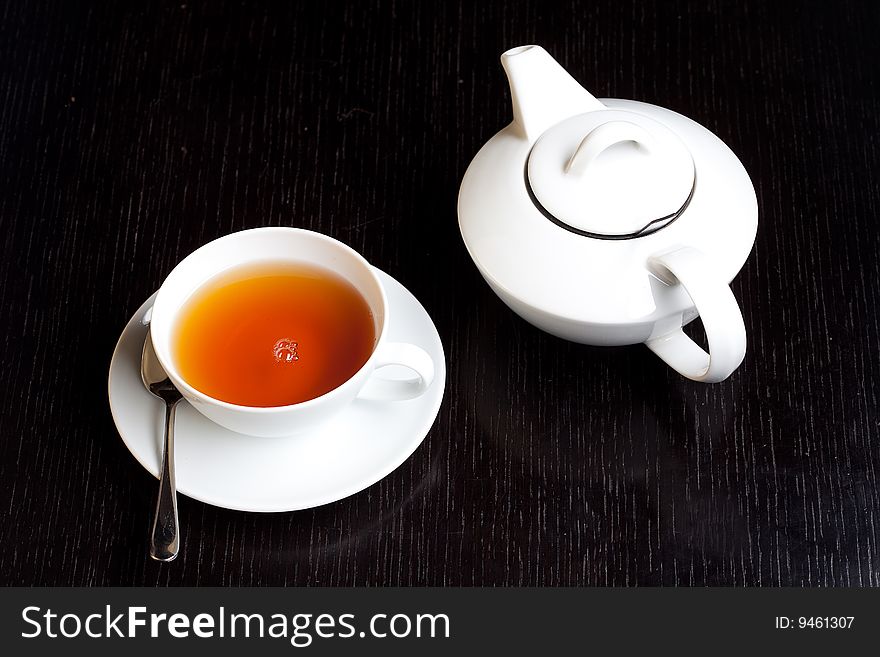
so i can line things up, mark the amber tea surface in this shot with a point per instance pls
(273, 334)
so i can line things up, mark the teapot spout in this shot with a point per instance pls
(543, 93)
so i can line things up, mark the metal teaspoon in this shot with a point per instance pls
(165, 536)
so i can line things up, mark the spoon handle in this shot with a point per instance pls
(165, 539)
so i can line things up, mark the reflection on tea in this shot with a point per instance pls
(273, 334)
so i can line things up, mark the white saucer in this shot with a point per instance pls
(360, 446)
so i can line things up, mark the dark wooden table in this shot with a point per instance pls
(132, 133)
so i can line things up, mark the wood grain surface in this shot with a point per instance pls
(132, 133)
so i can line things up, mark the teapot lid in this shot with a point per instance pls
(611, 173)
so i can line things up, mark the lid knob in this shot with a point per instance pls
(605, 136)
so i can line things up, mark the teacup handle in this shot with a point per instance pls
(717, 307)
(405, 354)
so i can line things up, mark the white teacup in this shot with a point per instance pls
(302, 246)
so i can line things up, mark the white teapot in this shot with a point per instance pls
(610, 222)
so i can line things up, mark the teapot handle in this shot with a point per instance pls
(717, 307)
